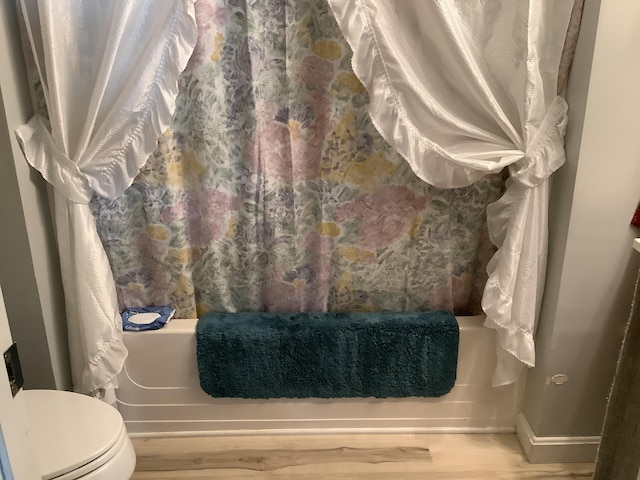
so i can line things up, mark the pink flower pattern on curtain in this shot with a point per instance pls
(272, 190)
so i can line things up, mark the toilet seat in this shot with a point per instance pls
(78, 437)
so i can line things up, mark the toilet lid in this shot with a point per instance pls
(70, 430)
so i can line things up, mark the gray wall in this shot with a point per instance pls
(29, 269)
(591, 263)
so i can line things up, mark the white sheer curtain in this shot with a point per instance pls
(110, 76)
(465, 88)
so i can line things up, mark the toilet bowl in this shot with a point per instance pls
(78, 437)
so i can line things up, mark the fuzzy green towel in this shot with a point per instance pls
(327, 355)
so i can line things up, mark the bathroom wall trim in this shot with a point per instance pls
(563, 449)
(319, 431)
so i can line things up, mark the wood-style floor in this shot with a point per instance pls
(342, 457)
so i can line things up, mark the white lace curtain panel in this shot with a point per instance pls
(463, 89)
(110, 77)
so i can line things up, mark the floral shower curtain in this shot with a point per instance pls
(272, 190)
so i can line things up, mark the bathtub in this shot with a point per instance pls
(159, 394)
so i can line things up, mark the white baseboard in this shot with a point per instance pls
(321, 431)
(568, 449)
(296, 424)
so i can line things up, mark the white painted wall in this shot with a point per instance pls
(29, 269)
(591, 265)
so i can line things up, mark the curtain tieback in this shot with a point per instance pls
(44, 155)
(545, 152)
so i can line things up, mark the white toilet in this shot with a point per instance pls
(78, 437)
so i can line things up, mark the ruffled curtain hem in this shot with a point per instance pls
(437, 167)
(103, 369)
(156, 116)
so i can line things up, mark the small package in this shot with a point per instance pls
(137, 319)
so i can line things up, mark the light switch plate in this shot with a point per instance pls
(14, 371)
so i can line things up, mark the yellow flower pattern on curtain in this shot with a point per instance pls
(273, 190)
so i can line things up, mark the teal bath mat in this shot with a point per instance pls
(327, 355)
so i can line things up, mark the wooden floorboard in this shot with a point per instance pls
(371, 457)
